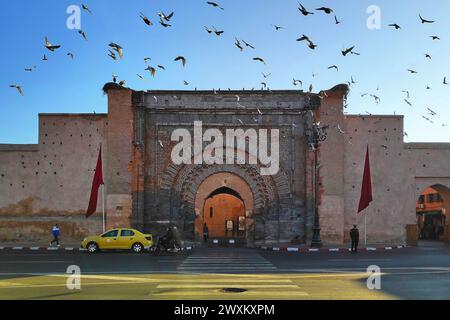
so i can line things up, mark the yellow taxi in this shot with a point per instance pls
(118, 239)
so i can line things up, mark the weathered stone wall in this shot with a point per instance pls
(50, 182)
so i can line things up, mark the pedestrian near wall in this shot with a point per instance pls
(55, 232)
(354, 236)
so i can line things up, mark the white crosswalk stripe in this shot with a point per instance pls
(226, 262)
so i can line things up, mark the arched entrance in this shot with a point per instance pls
(432, 209)
(224, 214)
(224, 201)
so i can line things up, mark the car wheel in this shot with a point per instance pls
(92, 247)
(137, 248)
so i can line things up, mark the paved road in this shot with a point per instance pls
(410, 273)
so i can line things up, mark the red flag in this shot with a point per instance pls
(96, 183)
(366, 189)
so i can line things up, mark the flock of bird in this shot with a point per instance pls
(116, 51)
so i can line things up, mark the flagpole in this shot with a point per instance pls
(365, 230)
(103, 208)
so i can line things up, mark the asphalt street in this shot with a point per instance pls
(409, 273)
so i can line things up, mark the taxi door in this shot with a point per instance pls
(109, 240)
(126, 238)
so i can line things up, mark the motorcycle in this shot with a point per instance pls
(168, 243)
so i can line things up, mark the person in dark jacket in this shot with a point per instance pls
(354, 236)
(205, 233)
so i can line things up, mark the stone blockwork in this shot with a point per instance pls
(50, 182)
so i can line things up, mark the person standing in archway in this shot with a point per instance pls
(205, 233)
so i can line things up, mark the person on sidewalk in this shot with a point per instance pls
(205, 233)
(354, 235)
(55, 232)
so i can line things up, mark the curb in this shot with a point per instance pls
(61, 249)
(341, 249)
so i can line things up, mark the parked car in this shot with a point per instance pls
(118, 239)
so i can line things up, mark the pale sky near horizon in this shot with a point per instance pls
(63, 85)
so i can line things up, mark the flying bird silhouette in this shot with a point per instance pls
(334, 67)
(151, 70)
(303, 10)
(396, 26)
(214, 4)
(336, 21)
(145, 19)
(248, 44)
(18, 87)
(347, 51)
(277, 27)
(325, 9)
(182, 59)
(85, 7)
(425, 21)
(117, 48)
(50, 46)
(83, 34)
(165, 17)
(259, 59)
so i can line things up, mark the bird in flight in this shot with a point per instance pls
(347, 51)
(117, 48)
(303, 10)
(147, 59)
(237, 43)
(44, 58)
(427, 56)
(259, 59)
(425, 21)
(336, 21)
(71, 55)
(334, 67)
(164, 24)
(30, 69)
(18, 87)
(248, 44)
(409, 103)
(85, 7)
(325, 9)
(214, 4)
(50, 46)
(182, 59)
(435, 38)
(185, 83)
(396, 26)
(445, 81)
(151, 70)
(112, 55)
(165, 17)
(161, 67)
(297, 82)
(412, 71)
(277, 27)
(266, 75)
(83, 34)
(145, 19)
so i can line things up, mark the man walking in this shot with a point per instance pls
(354, 235)
(55, 232)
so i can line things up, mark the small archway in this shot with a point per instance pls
(224, 201)
(433, 210)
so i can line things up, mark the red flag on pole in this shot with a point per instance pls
(366, 189)
(96, 183)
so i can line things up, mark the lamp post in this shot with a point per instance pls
(317, 135)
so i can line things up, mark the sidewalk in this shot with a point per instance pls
(284, 247)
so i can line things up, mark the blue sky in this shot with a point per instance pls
(62, 85)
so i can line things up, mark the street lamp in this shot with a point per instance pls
(317, 134)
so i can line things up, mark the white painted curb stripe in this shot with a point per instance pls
(313, 250)
(17, 248)
(371, 249)
(275, 249)
(1, 248)
(69, 249)
(34, 248)
(292, 249)
(388, 248)
(52, 248)
(231, 242)
(215, 241)
(334, 250)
